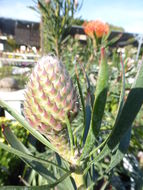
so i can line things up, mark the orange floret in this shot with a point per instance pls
(97, 27)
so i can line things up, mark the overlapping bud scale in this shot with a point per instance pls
(50, 95)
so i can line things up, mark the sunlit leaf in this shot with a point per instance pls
(98, 106)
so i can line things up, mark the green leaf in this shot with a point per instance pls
(16, 144)
(13, 141)
(122, 95)
(15, 188)
(100, 97)
(43, 187)
(60, 180)
(129, 111)
(126, 117)
(70, 134)
(113, 40)
(25, 124)
(49, 176)
(81, 96)
(120, 107)
(105, 38)
(98, 107)
(87, 118)
(28, 156)
(122, 149)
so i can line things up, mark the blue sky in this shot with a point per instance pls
(125, 13)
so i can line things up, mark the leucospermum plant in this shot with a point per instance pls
(97, 28)
(98, 34)
(69, 123)
(97, 31)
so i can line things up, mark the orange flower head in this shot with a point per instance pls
(97, 27)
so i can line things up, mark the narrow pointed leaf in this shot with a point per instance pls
(98, 107)
(43, 187)
(122, 149)
(87, 118)
(114, 40)
(70, 133)
(27, 156)
(122, 95)
(81, 96)
(130, 110)
(16, 144)
(120, 107)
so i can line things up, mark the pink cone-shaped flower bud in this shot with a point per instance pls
(50, 96)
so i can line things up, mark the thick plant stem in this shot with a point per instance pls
(79, 180)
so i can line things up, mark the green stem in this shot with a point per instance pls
(79, 180)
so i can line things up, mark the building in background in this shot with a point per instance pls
(23, 32)
(28, 33)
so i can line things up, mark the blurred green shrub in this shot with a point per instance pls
(10, 165)
(5, 71)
